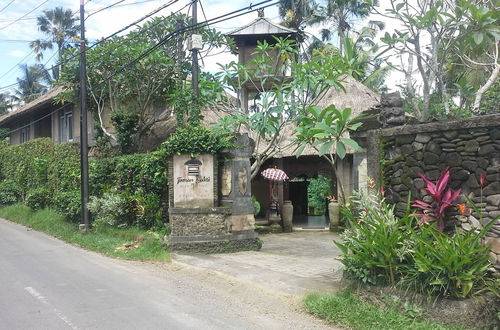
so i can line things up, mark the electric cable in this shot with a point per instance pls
(6, 6)
(218, 19)
(32, 10)
(100, 41)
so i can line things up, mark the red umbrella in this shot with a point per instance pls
(274, 174)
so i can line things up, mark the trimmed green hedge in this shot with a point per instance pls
(41, 175)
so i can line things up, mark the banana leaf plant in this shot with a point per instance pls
(443, 199)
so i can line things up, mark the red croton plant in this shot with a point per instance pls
(443, 199)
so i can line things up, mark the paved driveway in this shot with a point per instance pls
(293, 263)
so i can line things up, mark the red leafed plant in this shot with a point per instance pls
(442, 200)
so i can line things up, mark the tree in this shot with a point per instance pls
(326, 130)
(280, 99)
(34, 82)
(137, 94)
(340, 14)
(60, 26)
(5, 103)
(444, 39)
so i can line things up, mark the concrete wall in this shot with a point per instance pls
(469, 147)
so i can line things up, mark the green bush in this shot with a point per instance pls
(317, 190)
(195, 139)
(379, 248)
(126, 209)
(377, 243)
(10, 192)
(39, 198)
(448, 265)
(68, 204)
(109, 209)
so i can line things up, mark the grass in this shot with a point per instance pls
(346, 310)
(104, 240)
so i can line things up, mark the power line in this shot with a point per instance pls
(6, 26)
(100, 41)
(164, 40)
(6, 6)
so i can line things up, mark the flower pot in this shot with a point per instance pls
(334, 214)
(287, 215)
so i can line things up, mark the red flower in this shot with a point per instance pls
(382, 191)
(482, 177)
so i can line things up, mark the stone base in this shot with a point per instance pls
(237, 241)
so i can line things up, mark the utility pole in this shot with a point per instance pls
(194, 52)
(84, 149)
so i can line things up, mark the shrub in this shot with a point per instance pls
(377, 243)
(195, 139)
(38, 198)
(317, 191)
(10, 192)
(442, 200)
(256, 206)
(447, 265)
(109, 209)
(68, 204)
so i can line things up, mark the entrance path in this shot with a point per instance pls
(293, 263)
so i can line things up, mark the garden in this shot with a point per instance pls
(445, 275)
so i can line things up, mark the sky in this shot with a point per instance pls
(16, 35)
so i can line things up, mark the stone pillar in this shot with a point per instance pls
(236, 188)
(373, 156)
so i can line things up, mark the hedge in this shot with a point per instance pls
(42, 174)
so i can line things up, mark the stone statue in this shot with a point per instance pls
(391, 113)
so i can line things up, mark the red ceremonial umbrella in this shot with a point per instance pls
(274, 174)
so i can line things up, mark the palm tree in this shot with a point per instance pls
(5, 103)
(341, 14)
(59, 25)
(34, 82)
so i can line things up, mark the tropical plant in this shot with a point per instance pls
(318, 190)
(326, 131)
(340, 14)
(60, 26)
(149, 88)
(34, 81)
(376, 244)
(442, 200)
(445, 265)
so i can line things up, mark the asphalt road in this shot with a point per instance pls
(48, 284)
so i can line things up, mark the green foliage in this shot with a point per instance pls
(143, 87)
(46, 175)
(195, 139)
(125, 209)
(378, 248)
(317, 191)
(68, 204)
(126, 124)
(446, 265)
(347, 310)
(377, 244)
(10, 192)
(39, 198)
(256, 206)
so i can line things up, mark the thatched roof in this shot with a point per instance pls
(32, 106)
(356, 96)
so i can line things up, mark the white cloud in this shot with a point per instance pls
(17, 53)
